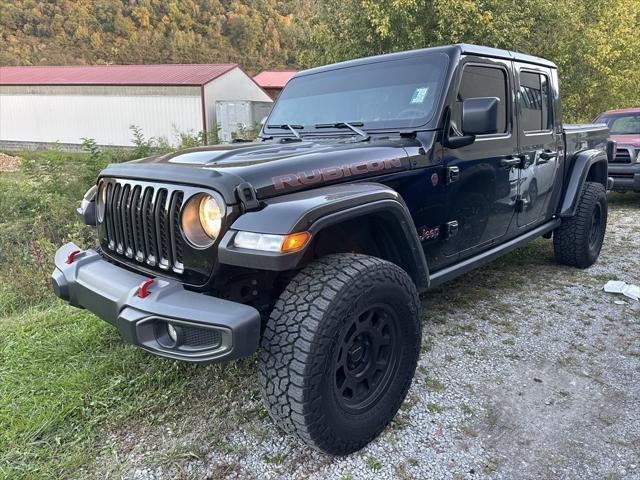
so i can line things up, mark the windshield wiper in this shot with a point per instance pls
(351, 126)
(292, 128)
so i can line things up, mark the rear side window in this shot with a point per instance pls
(534, 102)
(479, 81)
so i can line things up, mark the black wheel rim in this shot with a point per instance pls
(366, 358)
(596, 227)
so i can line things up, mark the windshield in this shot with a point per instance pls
(393, 94)
(622, 124)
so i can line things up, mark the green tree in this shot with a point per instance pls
(595, 43)
(257, 34)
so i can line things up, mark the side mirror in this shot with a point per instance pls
(480, 116)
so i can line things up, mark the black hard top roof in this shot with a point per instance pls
(451, 50)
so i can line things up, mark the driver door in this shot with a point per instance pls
(481, 197)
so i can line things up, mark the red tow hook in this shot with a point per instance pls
(143, 288)
(72, 256)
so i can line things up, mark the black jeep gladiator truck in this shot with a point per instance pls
(372, 181)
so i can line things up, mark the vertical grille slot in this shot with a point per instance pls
(174, 231)
(162, 225)
(117, 218)
(136, 225)
(149, 228)
(125, 213)
(142, 224)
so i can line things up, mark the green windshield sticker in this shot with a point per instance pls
(419, 94)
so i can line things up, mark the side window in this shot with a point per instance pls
(478, 81)
(534, 102)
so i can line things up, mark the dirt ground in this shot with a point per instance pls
(528, 370)
(9, 163)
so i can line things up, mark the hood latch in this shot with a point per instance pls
(247, 196)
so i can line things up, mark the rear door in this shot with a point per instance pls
(537, 142)
(481, 199)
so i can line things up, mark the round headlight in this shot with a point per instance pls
(210, 216)
(202, 219)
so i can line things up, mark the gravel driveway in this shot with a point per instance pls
(528, 370)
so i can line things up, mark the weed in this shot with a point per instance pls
(37, 216)
(410, 402)
(434, 385)
(374, 464)
(145, 147)
(466, 409)
(276, 459)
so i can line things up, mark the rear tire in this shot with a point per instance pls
(339, 351)
(578, 240)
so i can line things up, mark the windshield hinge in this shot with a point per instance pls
(247, 196)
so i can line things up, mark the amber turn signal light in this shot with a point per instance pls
(294, 242)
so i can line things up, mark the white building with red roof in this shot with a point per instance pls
(273, 81)
(66, 104)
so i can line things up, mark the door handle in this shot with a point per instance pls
(546, 156)
(511, 162)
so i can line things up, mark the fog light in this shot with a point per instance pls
(172, 332)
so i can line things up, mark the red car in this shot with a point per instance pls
(624, 128)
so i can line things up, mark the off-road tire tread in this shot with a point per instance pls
(571, 238)
(296, 341)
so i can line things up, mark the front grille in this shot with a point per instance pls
(142, 224)
(623, 155)
(621, 175)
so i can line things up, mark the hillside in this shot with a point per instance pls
(257, 34)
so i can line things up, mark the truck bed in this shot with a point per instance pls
(578, 137)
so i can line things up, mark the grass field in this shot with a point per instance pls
(65, 376)
(68, 385)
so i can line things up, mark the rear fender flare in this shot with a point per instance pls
(588, 165)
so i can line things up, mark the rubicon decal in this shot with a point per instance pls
(333, 173)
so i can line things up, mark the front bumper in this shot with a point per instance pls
(209, 328)
(626, 177)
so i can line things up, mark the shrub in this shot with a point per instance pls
(37, 207)
(244, 133)
(191, 139)
(145, 147)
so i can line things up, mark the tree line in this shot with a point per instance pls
(256, 34)
(595, 43)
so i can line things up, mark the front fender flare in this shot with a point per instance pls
(314, 210)
(588, 165)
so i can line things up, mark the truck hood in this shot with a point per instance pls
(632, 139)
(274, 168)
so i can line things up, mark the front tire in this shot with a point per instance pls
(578, 240)
(339, 351)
